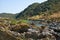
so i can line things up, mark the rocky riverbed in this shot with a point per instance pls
(24, 31)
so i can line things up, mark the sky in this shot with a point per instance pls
(15, 6)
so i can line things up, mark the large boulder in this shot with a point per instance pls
(6, 36)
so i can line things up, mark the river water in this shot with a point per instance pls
(37, 23)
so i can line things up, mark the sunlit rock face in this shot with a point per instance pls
(44, 35)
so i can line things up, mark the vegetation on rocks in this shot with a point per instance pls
(25, 31)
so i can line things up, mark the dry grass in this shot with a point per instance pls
(54, 15)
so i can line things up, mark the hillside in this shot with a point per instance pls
(7, 15)
(47, 7)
